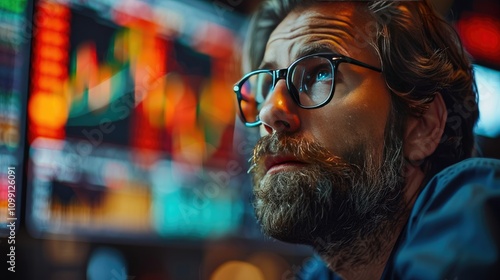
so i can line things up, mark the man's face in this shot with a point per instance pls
(332, 174)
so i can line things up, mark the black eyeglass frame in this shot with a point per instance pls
(278, 74)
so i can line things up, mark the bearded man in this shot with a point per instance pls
(369, 109)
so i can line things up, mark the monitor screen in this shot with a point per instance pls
(131, 121)
(15, 35)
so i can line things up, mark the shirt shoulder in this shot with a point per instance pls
(316, 269)
(454, 228)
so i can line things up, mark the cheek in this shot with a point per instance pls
(345, 132)
(357, 121)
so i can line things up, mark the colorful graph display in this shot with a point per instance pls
(15, 35)
(131, 122)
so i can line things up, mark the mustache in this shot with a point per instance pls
(301, 148)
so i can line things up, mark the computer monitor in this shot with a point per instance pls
(15, 35)
(131, 121)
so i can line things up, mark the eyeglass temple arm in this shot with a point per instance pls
(359, 63)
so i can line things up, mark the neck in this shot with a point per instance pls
(370, 269)
(373, 269)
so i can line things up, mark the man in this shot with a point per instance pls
(368, 109)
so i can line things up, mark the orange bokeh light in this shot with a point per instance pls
(53, 38)
(48, 110)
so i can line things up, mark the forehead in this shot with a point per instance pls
(340, 27)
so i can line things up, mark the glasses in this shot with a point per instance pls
(310, 80)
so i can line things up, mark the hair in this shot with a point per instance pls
(421, 55)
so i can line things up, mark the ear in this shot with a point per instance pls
(423, 134)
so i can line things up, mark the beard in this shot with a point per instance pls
(343, 206)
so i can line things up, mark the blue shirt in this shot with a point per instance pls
(453, 232)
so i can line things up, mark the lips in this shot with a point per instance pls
(276, 163)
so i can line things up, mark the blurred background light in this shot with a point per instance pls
(237, 270)
(105, 264)
(488, 85)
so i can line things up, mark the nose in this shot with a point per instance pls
(279, 112)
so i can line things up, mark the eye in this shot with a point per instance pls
(320, 74)
(323, 74)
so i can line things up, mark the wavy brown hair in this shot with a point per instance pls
(421, 55)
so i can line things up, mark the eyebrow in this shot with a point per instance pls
(311, 48)
(316, 47)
